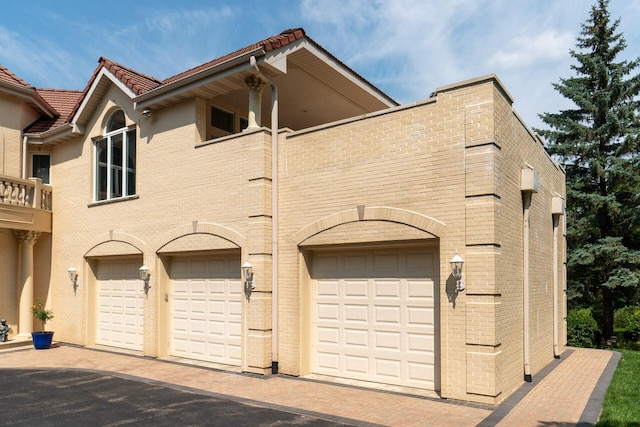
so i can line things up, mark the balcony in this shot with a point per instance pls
(25, 204)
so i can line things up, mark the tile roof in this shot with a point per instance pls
(137, 82)
(8, 77)
(140, 83)
(282, 39)
(63, 101)
(67, 102)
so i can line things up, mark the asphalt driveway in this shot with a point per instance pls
(79, 398)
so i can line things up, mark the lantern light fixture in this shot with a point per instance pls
(247, 270)
(456, 267)
(73, 276)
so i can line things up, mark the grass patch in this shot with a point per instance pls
(621, 407)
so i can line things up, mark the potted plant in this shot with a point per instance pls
(42, 339)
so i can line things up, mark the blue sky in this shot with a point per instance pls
(407, 48)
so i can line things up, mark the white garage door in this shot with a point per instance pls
(374, 314)
(120, 304)
(206, 308)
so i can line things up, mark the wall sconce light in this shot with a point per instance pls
(144, 276)
(146, 113)
(247, 270)
(456, 266)
(73, 276)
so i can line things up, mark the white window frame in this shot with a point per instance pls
(124, 168)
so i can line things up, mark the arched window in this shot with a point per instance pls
(115, 154)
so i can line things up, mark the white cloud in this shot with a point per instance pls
(35, 58)
(524, 51)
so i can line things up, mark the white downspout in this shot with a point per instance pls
(274, 217)
(557, 210)
(556, 350)
(526, 302)
(24, 157)
(529, 184)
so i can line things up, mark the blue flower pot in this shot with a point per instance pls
(42, 340)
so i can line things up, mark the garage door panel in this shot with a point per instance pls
(421, 372)
(388, 368)
(235, 290)
(328, 312)
(235, 330)
(328, 362)
(328, 288)
(420, 315)
(420, 342)
(217, 308)
(387, 314)
(206, 308)
(235, 308)
(234, 352)
(355, 263)
(216, 328)
(356, 338)
(354, 288)
(215, 350)
(387, 340)
(198, 268)
(384, 263)
(420, 289)
(120, 304)
(421, 262)
(328, 336)
(374, 316)
(217, 287)
(357, 365)
(358, 313)
(390, 289)
(217, 266)
(326, 265)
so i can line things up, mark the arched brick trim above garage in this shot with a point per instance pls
(231, 238)
(115, 243)
(372, 213)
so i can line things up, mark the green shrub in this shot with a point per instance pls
(582, 328)
(628, 319)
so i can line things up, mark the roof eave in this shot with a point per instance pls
(340, 67)
(54, 134)
(215, 72)
(102, 73)
(30, 95)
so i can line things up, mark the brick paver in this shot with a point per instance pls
(558, 399)
(370, 406)
(561, 397)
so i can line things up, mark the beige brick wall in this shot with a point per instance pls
(11, 136)
(179, 183)
(9, 276)
(456, 159)
(445, 171)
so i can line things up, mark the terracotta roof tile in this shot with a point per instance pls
(282, 39)
(63, 101)
(137, 82)
(9, 77)
(68, 102)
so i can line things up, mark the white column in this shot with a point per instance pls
(256, 84)
(25, 321)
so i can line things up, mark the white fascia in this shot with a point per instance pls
(217, 72)
(103, 73)
(51, 135)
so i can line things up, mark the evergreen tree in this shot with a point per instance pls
(598, 143)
